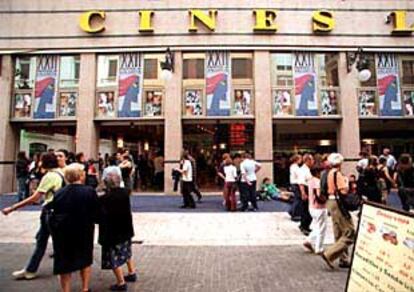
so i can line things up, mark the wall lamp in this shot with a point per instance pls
(362, 64)
(167, 67)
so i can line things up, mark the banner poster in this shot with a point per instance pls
(45, 87)
(305, 85)
(388, 85)
(218, 77)
(130, 85)
(383, 256)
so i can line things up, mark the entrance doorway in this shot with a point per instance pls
(209, 140)
(300, 137)
(146, 146)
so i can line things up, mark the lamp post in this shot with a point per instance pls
(362, 64)
(167, 67)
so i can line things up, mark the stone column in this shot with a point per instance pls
(348, 134)
(263, 127)
(87, 133)
(173, 134)
(9, 135)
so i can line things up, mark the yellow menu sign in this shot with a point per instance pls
(383, 257)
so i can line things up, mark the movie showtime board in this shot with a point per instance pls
(383, 256)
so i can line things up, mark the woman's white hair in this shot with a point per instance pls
(113, 180)
(335, 159)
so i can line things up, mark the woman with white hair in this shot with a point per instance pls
(74, 210)
(116, 231)
(344, 230)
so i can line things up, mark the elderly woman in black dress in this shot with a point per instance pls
(75, 208)
(116, 231)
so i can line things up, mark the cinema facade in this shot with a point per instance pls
(242, 75)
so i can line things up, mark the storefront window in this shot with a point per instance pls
(22, 105)
(151, 69)
(242, 84)
(69, 71)
(193, 102)
(25, 72)
(106, 104)
(408, 85)
(193, 69)
(107, 70)
(367, 102)
(372, 82)
(242, 102)
(153, 103)
(241, 68)
(282, 84)
(67, 104)
(328, 83)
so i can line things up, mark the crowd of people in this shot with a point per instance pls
(323, 189)
(76, 195)
(71, 207)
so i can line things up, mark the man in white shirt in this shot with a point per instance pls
(304, 178)
(187, 181)
(391, 161)
(248, 169)
(295, 211)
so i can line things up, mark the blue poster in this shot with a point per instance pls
(45, 87)
(305, 85)
(218, 76)
(388, 85)
(130, 85)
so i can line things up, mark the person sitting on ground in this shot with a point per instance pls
(116, 231)
(269, 191)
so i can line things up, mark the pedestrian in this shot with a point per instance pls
(92, 176)
(319, 213)
(248, 168)
(386, 182)
(22, 175)
(295, 211)
(230, 172)
(343, 226)
(404, 177)
(116, 231)
(126, 170)
(187, 181)
(51, 182)
(35, 173)
(371, 181)
(222, 176)
(159, 171)
(304, 177)
(112, 168)
(196, 189)
(75, 209)
(391, 161)
(362, 164)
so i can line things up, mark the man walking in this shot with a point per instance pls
(248, 168)
(304, 179)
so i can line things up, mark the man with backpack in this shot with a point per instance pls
(343, 226)
(51, 182)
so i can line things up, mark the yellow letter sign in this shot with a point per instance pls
(323, 21)
(85, 21)
(208, 20)
(265, 20)
(400, 23)
(145, 24)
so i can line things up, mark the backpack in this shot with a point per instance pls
(323, 196)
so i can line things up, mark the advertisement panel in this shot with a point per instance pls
(218, 77)
(305, 85)
(383, 257)
(130, 85)
(388, 85)
(46, 87)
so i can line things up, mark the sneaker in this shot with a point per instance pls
(131, 277)
(304, 231)
(23, 275)
(308, 246)
(328, 262)
(344, 265)
(116, 287)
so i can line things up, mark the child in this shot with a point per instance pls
(230, 172)
(319, 213)
(269, 191)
